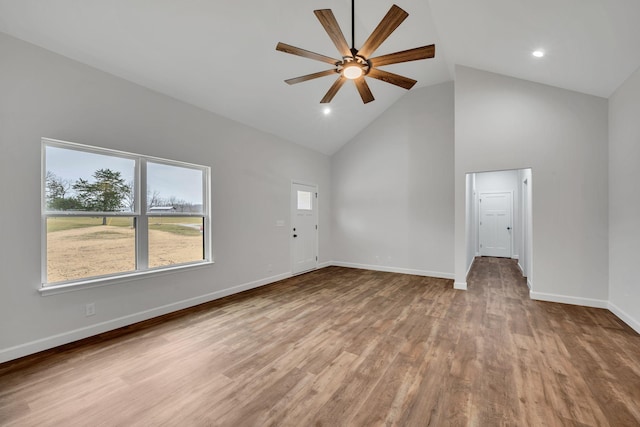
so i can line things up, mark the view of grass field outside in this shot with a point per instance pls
(95, 236)
(79, 248)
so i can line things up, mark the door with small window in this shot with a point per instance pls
(304, 227)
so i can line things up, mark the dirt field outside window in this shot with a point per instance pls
(77, 253)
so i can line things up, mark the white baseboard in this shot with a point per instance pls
(437, 274)
(460, 286)
(622, 315)
(88, 331)
(529, 284)
(566, 299)
(325, 264)
(515, 257)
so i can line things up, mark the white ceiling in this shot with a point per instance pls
(220, 55)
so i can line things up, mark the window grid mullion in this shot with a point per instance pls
(142, 226)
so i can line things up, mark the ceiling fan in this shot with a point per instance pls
(356, 64)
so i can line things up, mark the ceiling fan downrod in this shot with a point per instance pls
(353, 27)
(359, 65)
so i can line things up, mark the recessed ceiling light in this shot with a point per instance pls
(538, 53)
(326, 111)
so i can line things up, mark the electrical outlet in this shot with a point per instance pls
(90, 309)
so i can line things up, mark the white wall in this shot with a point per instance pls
(624, 201)
(497, 181)
(506, 123)
(393, 188)
(471, 224)
(45, 95)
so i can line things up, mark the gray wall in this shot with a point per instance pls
(47, 95)
(525, 180)
(624, 197)
(393, 188)
(506, 123)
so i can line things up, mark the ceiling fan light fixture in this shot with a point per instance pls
(353, 67)
(352, 71)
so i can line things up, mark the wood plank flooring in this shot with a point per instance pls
(344, 347)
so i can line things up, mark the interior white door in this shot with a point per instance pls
(495, 224)
(304, 214)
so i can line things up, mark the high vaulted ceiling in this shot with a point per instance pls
(220, 54)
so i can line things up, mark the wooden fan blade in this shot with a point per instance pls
(363, 89)
(333, 90)
(310, 76)
(389, 23)
(394, 79)
(283, 47)
(415, 54)
(328, 21)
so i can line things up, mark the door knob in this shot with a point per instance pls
(295, 235)
(508, 228)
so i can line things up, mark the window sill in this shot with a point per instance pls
(122, 278)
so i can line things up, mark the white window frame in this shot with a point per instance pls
(140, 214)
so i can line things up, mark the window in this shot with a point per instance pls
(108, 213)
(304, 200)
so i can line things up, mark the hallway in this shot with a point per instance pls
(568, 365)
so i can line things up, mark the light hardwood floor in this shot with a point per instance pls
(341, 347)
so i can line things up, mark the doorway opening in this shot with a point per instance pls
(499, 208)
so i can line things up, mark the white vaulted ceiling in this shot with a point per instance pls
(220, 55)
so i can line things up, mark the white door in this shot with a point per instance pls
(495, 224)
(304, 223)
